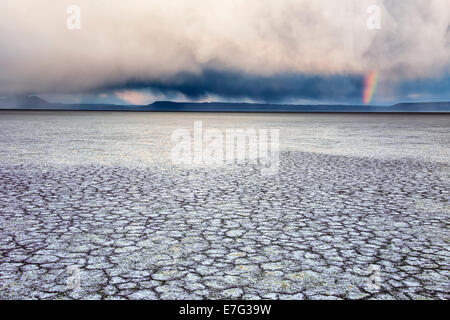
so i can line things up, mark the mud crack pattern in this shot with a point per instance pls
(310, 232)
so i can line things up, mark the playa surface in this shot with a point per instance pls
(94, 197)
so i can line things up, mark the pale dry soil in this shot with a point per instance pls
(310, 232)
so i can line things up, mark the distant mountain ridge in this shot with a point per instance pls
(256, 107)
(21, 101)
(36, 103)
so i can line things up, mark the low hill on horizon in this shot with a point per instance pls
(36, 103)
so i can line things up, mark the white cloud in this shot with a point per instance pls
(135, 97)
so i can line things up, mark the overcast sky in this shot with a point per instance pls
(139, 51)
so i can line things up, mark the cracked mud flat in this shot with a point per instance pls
(94, 191)
(311, 232)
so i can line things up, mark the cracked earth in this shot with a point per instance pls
(310, 232)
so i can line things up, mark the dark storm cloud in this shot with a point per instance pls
(430, 88)
(273, 88)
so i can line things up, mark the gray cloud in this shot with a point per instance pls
(155, 40)
(272, 88)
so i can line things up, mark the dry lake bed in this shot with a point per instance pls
(92, 207)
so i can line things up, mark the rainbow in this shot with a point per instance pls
(370, 85)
